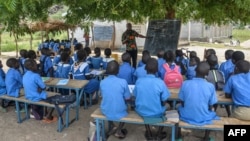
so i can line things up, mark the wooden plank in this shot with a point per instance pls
(217, 124)
(73, 84)
(132, 117)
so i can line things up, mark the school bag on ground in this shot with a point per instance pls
(172, 78)
(216, 78)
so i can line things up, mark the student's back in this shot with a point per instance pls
(126, 71)
(2, 80)
(197, 96)
(150, 92)
(140, 71)
(107, 58)
(96, 61)
(237, 88)
(227, 66)
(13, 79)
(63, 67)
(46, 63)
(215, 76)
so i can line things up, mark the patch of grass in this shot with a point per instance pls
(241, 34)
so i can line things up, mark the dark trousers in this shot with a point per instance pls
(133, 54)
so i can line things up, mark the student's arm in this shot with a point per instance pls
(228, 88)
(126, 93)
(19, 79)
(40, 83)
(213, 98)
(164, 94)
(162, 73)
(181, 94)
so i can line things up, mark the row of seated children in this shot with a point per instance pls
(31, 82)
(65, 68)
(55, 45)
(151, 95)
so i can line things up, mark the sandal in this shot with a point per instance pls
(46, 120)
(112, 131)
(121, 135)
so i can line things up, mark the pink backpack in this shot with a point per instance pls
(172, 78)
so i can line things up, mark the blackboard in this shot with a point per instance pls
(164, 35)
(103, 33)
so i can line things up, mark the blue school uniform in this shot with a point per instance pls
(163, 71)
(140, 72)
(2, 82)
(31, 82)
(47, 65)
(78, 72)
(237, 86)
(88, 60)
(126, 71)
(56, 47)
(56, 60)
(197, 94)
(191, 73)
(13, 81)
(149, 92)
(105, 62)
(140, 63)
(74, 57)
(63, 70)
(96, 62)
(113, 104)
(160, 61)
(227, 68)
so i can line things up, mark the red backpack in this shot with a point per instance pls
(172, 78)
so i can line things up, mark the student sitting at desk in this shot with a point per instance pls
(80, 70)
(88, 52)
(46, 65)
(2, 87)
(140, 71)
(126, 71)
(77, 47)
(63, 70)
(227, 65)
(236, 87)
(96, 61)
(140, 63)
(197, 99)
(34, 89)
(160, 60)
(150, 96)
(107, 58)
(114, 95)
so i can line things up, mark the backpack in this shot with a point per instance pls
(61, 99)
(172, 78)
(216, 78)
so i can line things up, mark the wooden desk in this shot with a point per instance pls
(77, 85)
(222, 100)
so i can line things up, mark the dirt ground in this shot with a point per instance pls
(33, 130)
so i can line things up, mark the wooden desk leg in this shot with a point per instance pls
(97, 130)
(19, 120)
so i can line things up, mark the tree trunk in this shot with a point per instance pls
(170, 14)
(42, 35)
(15, 36)
(68, 33)
(31, 39)
(113, 38)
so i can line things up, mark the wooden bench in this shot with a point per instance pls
(132, 117)
(217, 125)
(22, 99)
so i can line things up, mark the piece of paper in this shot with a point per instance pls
(45, 79)
(172, 116)
(96, 72)
(63, 82)
(131, 88)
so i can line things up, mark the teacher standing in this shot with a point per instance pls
(128, 38)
